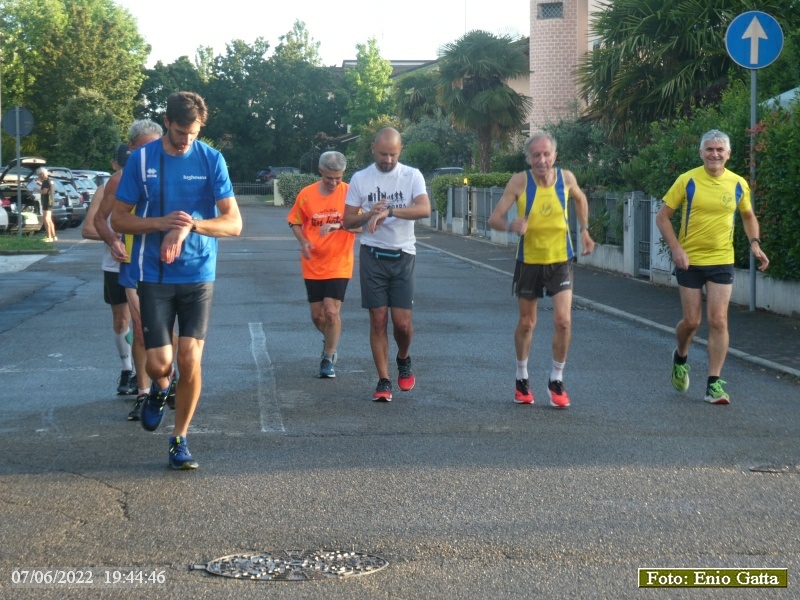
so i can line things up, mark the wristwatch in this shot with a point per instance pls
(755, 240)
(194, 225)
(391, 211)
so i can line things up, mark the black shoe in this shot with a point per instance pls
(127, 383)
(134, 414)
(173, 386)
(383, 393)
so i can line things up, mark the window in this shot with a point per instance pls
(551, 10)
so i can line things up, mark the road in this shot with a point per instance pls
(465, 493)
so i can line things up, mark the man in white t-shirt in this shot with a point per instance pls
(385, 199)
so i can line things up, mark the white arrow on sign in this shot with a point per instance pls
(755, 32)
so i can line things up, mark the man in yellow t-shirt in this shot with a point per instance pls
(326, 251)
(709, 197)
(544, 256)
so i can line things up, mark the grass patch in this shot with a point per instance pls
(12, 242)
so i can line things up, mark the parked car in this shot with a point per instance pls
(87, 187)
(270, 174)
(19, 175)
(98, 177)
(446, 171)
(74, 200)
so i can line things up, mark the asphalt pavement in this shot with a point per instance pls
(466, 494)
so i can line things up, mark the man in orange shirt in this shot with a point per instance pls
(326, 251)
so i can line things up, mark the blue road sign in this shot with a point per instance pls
(754, 39)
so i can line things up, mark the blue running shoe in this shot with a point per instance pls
(153, 408)
(179, 457)
(326, 370)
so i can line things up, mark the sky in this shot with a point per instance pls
(405, 30)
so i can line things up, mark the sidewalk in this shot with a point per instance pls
(766, 339)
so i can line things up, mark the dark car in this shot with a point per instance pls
(87, 187)
(270, 174)
(17, 176)
(446, 171)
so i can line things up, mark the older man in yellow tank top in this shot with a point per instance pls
(544, 256)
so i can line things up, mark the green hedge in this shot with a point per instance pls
(776, 190)
(291, 184)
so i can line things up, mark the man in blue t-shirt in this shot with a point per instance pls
(176, 198)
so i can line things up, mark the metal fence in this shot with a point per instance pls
(468, 211)
(251, 189)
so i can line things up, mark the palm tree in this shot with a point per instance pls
(656, 57)
(414, 95)
(473, 88)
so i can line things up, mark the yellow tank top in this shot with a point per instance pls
(547, 240)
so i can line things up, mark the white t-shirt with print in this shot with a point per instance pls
(399, 187)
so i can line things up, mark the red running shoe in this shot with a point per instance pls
(405, 378)
(522, 395)
(558, 395)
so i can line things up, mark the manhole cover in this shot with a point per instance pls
(295, 565)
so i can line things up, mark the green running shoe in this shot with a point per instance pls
(716, 395)
(680, 377)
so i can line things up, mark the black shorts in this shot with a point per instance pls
(162, 303)
(532, 281)
(319, 289)
(113, 292)
(386, 281)
(696, 277)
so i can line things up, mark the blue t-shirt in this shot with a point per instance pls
(193, 183)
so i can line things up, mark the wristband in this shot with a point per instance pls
(755, 239)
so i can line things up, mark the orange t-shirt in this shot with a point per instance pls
(332, 255)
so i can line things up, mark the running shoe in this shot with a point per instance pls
(680, 376)
(173, 387)
(326, 369)
(127, 383)
(716, 395)
(134, 414)
(523, 395)
(179, 456)
(153, 408)
(558, 394)
(405, 378)
(383, 393)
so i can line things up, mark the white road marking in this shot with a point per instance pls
(271, 420)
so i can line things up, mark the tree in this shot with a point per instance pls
(656, 55)
(414, 95)
(297, 45)
(161, 81)
(473, 72)
(369, 85)
(454, 144)
(54, 48)
(87, 132)
(425, 156)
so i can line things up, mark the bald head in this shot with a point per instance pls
(386, 149)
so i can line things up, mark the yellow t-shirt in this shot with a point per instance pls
(547, 240)
(709, 209)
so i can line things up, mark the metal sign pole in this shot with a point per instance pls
(20, 218)
(753, 106)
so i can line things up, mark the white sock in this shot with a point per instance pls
(522, 369)
(124, 349)
(557, 374)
